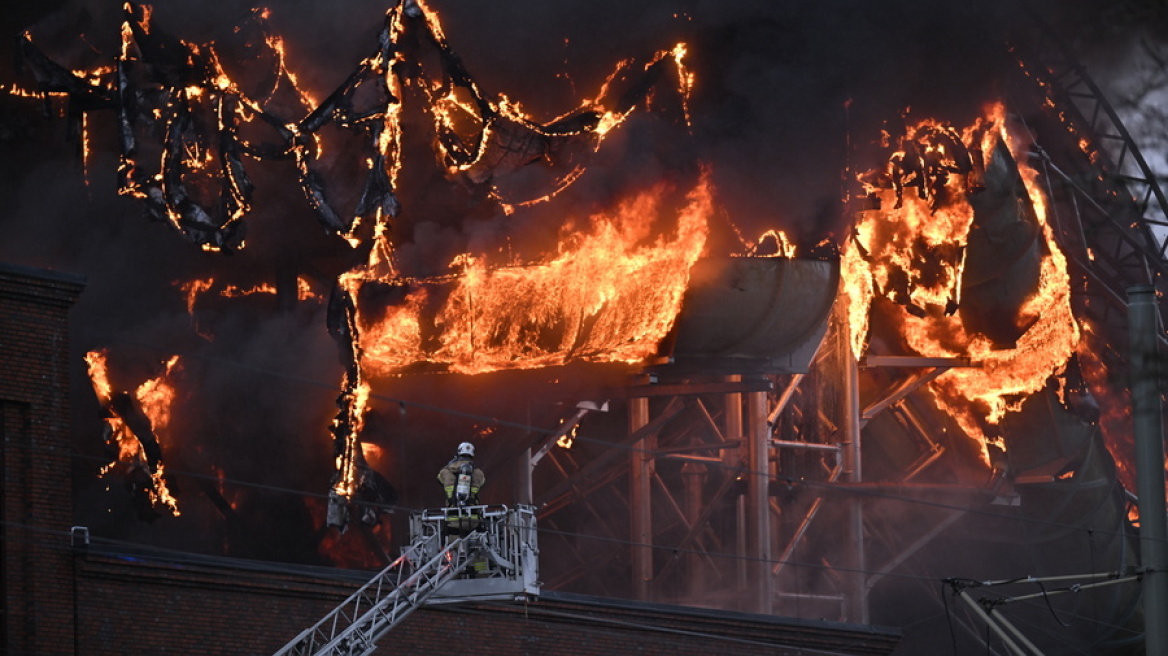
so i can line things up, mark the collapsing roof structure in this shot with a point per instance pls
(808, 434)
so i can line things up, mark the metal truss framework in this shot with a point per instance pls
(732, 438)
(1109, 209)
(1109, 215)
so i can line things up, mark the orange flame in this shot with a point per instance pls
(610, 294)
(349, 460)
(195, 288)
(567, 439)
(155, 397)
(904, 240)
(235, 291)
(783, 246)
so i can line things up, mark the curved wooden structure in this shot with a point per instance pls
(753, 314)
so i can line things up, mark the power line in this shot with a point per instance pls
(392, 508)
(794, 482)
(621, 541)
(729, 468)
(1058, 632)
(662, 629)
(790, 480)
(101, 546)
(571, 534)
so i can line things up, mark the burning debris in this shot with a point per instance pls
(938, 256)
(133, 423)
(187, 129)
(957, 264)
(613, 286)
(928, 156)
(609, 294)
(195, 178)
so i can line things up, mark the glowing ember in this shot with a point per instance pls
(235, 291)
(567, 439)
(194, 289)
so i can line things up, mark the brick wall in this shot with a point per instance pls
(36, 508)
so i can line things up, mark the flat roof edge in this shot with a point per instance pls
(18, 270)
(698, 611)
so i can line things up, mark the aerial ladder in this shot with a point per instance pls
(456, 554)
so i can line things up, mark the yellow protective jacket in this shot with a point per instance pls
(448, 477)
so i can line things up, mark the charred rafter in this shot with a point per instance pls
(162, 85)
(928, 156)
(185, 132)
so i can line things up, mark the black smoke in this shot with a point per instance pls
(790, 100)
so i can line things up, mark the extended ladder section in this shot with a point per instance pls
(475, 553)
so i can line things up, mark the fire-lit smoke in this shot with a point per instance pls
(265, 118)
(913, 253)
(189, 128)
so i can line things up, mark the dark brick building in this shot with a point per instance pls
(65, 594)
(36, 503)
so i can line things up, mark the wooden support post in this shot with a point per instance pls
(758, 510)
(641, 468)
(732, 430)
(694, 475)
(856, 606)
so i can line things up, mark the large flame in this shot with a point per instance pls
(913, 253)
(610, 294)
(191, 117)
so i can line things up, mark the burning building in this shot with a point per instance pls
(727, 377)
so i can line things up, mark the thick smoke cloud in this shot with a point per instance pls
(790, 96)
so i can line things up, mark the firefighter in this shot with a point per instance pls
(460, 478)
(461, 481)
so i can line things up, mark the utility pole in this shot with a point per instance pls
(641, 469)
(1148, 424)
(856, 609)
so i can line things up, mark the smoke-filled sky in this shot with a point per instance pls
(788, 97)
(788, 94)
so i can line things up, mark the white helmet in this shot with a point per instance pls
(466, 449)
